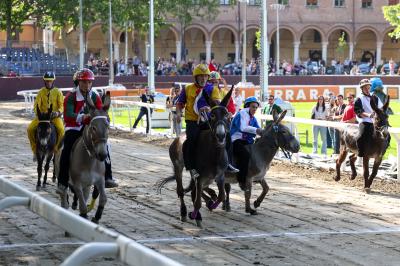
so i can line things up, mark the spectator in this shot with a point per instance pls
(319, 112)
(349, 116)
(237, 99)
(171, 104)
(337, 116)
(146, 98)
(271, 106)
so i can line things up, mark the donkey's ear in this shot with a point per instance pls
(107, 101)
(281, 116)
(227, 97)
(373, 102)
(209, 101)
(386, 105)
(89, 101)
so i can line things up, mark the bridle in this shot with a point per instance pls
(219, 122)
(275, 131)
(90, 143)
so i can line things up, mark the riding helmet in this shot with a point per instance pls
(85, 74)
(201, 69)
(215, 75)
(364, 82)
(250, 100)
(49, 76)
(376, 84)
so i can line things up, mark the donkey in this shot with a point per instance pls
(211, 159)
(87, 159)
(46, 139)
(274, 136)
(379, 142)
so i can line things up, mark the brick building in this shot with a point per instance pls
(308, 29)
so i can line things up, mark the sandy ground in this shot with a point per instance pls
(306, 218)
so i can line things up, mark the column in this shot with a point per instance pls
(208, 51)
(178, 51)
(351, 50)
(147, 45)
(296, 47)
(237, 52)
(50, 40)
(378, 53)
(116, 51)
(45, 41)
(324, 51)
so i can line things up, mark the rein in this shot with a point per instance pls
(275, 129)
(91, 142)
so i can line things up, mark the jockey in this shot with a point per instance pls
(214, 79)
(76, 115)
(364, 112)
(377, 90)
(48, 96)
(244, 129)
(187, 100)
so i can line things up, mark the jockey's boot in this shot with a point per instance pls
(231, 169)
(62, 191)
(110, 183)
(194, 174)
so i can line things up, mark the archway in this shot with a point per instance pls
(365, 48)
(165, 44)
(310, 45)
(223, 46)
(337, 52)
(97, 43)
(195, 39)
(390, 48)
(286, 47)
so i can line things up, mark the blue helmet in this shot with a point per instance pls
(250, 100)
(375, 84)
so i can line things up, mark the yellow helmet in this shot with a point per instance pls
(201, 69)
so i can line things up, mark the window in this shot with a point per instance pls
(311, 2)
(283, 2)
(366, 3)
(254, 2)
(393, 2)
(339, 3)
(224, 2)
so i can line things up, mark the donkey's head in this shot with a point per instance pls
(381, 118)
(43, 131)
(281, 134)
(219, 117)
(97, 131)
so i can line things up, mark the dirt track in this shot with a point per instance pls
(306, 218)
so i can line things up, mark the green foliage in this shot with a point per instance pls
(392, 15)
(258, 40)
(342, 45)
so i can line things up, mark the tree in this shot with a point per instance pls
(392, 15)
(342, 45)
(185, 10)
(14, 12)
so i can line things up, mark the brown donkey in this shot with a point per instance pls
(378, 143)
(211, 160)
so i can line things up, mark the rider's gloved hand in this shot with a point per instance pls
(54, 115)
(206, 109)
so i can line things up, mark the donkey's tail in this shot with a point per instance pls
(160, 183)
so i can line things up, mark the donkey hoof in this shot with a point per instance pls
(74, 205)
(353, 176)
(183, 219)
(66, 234)
(84, 215)
(44, 185)
(226, 207)
(256, 204)
(199, 224)
(37, 187)
(251, 211)
(367, 190)
(94, 220)
(336, 178)
(210, 205)
(54, 179)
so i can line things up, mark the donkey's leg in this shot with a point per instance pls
(102, 202)
(226, 205)
(95, 194)
(264, 192)
(377, 163)
(221, 192)
(339, 161)
(196, 198)
(39, 171)
(181, 193)
(366, 173)
(353, 159)
(82, 204)
(247, 196)
(46, 169)
(207, 197)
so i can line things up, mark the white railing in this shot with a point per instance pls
(101, 240)
(130, 104)
(395, 132)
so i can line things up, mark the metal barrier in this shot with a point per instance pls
(103, 241)
(395, 132)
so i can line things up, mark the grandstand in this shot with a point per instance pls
(32, 62)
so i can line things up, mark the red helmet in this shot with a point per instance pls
(85, 74)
